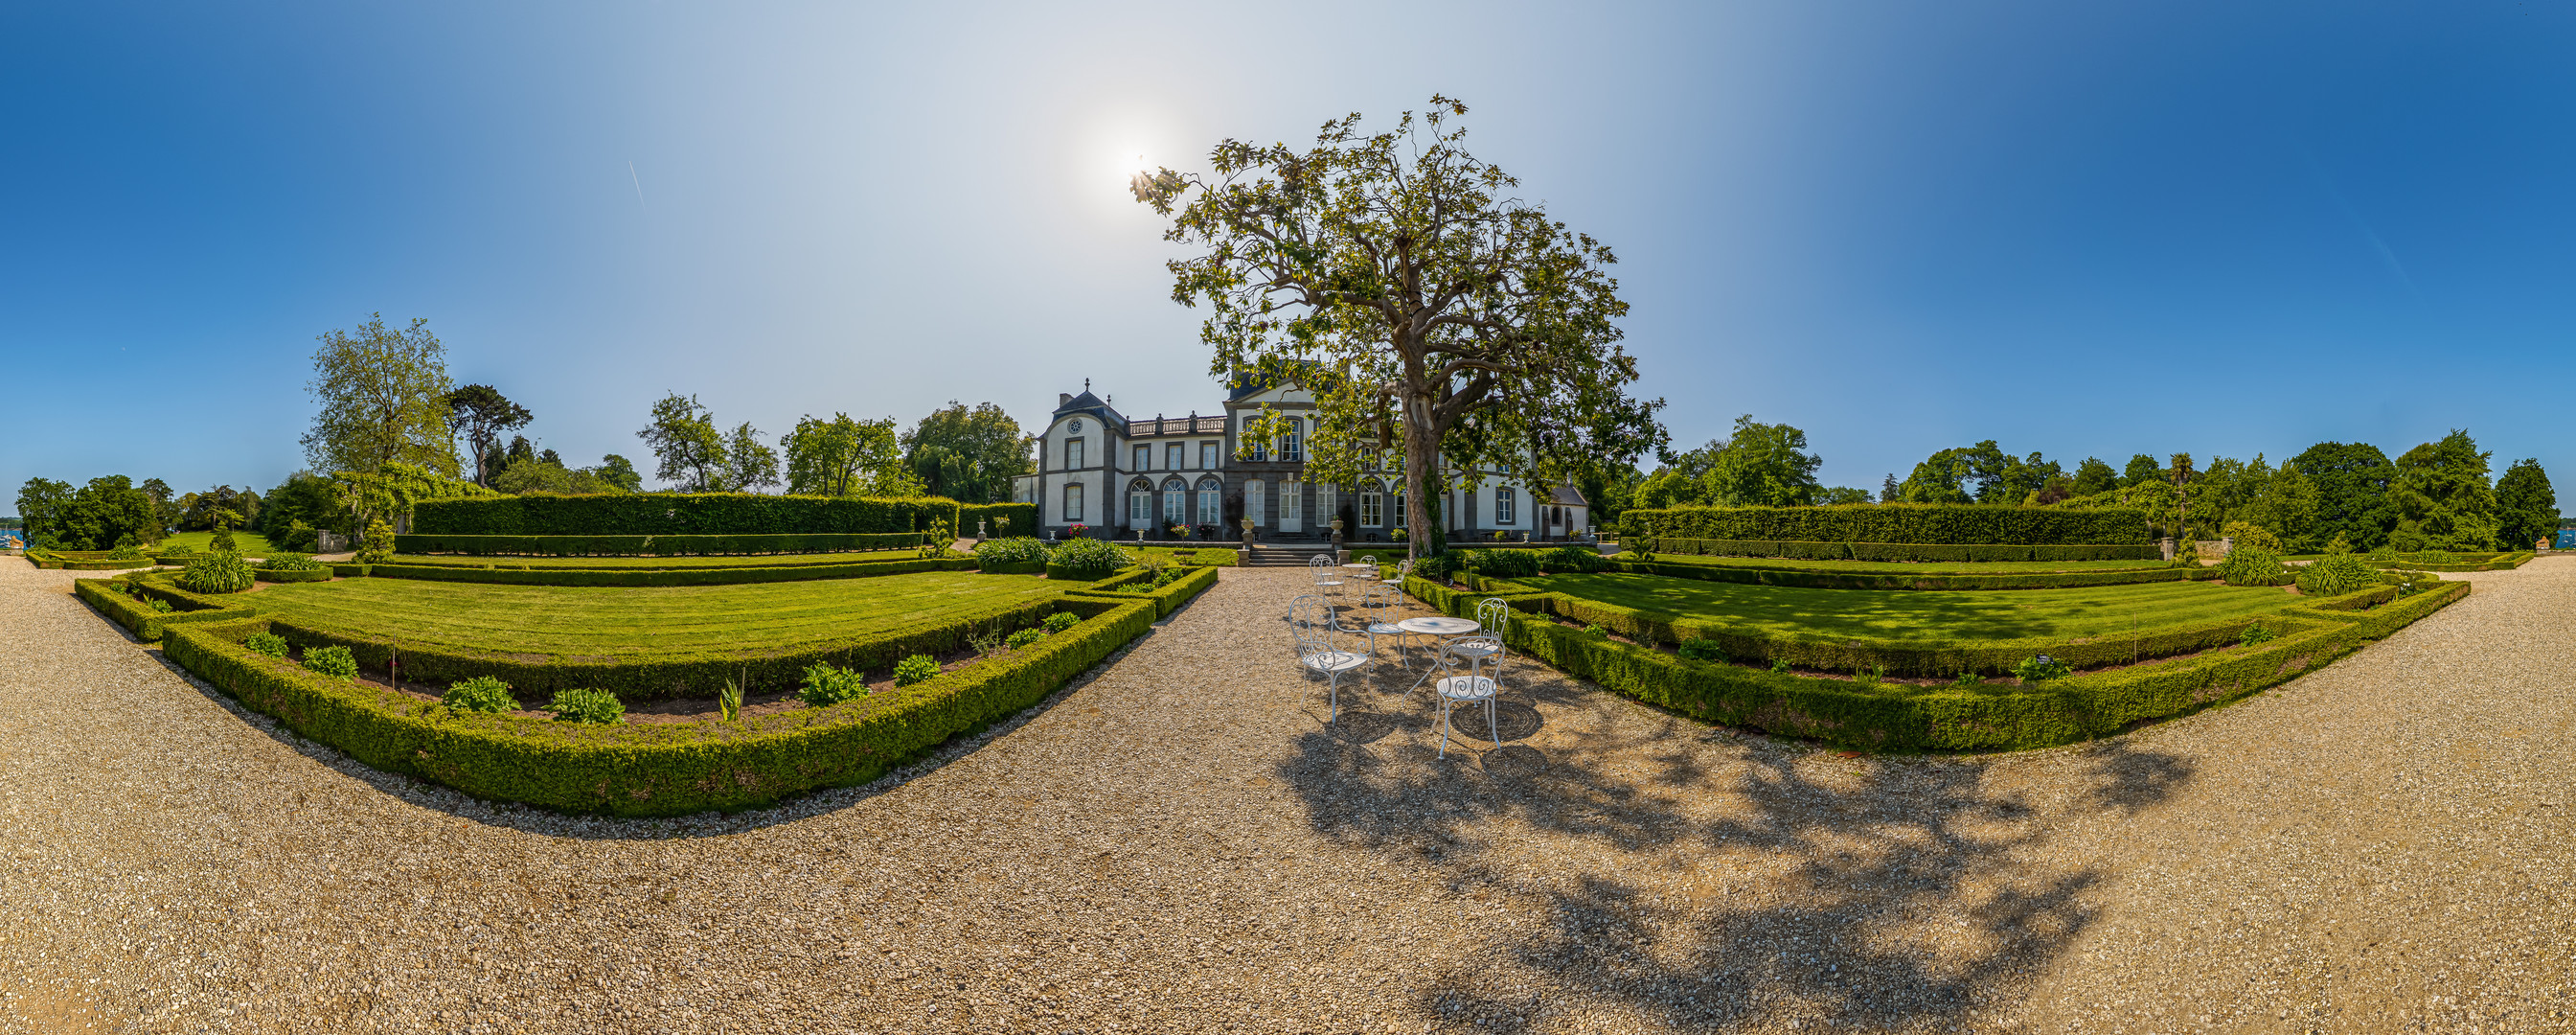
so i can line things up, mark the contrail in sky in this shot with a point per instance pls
(639, 182)
(2386, 254)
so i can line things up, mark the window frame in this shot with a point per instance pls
(1073, 504)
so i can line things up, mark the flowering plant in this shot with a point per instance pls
(1078, 530)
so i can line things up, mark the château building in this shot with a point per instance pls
(1115, 475)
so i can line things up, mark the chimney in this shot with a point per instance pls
(1064, 398)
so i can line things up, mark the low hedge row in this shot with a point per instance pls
(651, 545)
(1899, 717)
(675, 513)
(115, 598)
(1891, 523)
(1012, 567)
(1059, 571)
(653, 769)
(1167, 599)
(2502, 562)
(541, 576)
(309, 575)
(1812, 579)
(1826, 551)
(66, 562)
(677, 674)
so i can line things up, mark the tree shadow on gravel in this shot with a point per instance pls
(1907, 857)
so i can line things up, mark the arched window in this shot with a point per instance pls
(1176, 507)
(1140, 504)
(1372, 505)
(1073, 504)
(1211, 501)
(1292, 446)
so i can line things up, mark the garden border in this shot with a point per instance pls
(422, 543)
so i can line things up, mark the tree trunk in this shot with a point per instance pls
(1422, 468)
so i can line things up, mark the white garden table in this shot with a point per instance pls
(1440, 627)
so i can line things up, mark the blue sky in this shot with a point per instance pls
(2076, 228)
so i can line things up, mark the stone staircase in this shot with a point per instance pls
(1287, 555)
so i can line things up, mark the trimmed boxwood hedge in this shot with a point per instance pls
(1011, 567)
(1166, 600)
(1901, 717)
(671, 513)
(1892, 523)
(113, 598)
(1023, 518)
(1900, 552)
(654, 769)
(1808, 578)
(306, 575)
(725, 576)
(1059, 571)
(2500, 562)
(651, 545)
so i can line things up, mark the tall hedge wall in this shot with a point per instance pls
(1892, 523)
(1023, 518)
(660, 513)
(652, 545)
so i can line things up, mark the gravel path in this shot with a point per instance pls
(1178, 843)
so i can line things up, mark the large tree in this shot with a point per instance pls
(1432, 316)
(968, 455)
(2526, 507)
(749, 464)
(2442, 497)
(40, 506)
(481, 413)
(2351, 482)
(684, 438)
(383, 398)
(1764, 465)
(2093, 476)
(845, 457)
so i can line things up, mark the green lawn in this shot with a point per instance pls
(1925, 614)
(766, 560)
(599, 622)
(251, 544)
(1907, 568)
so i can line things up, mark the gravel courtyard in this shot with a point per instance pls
(1180, 844)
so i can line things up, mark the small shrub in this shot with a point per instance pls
(1703, 650)
(729, 700)
(270, 644)
(2255, 636)
(1872, 674)
(334, 661)
(290, 562)
(2247, 533)
(2339, 545)
(1024, 637)
(1596, 632)
(1574, 558)
(584, 705)
(479, 694)
(827, 685)
(2337, 574)
(217, 573)
(1439, 567)
(2041, 669)
(915, 669)
(299, 537)
(938, 541)
(1092, 555)
(158, 605)
(1061, 621)
(2247, 566)
(379, 546)
(1779, 664)
(223, 541)
(126, 550)
(1968, 679)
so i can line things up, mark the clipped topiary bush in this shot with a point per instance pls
(827, 684)
(379, 546)
(217, 573)
(2337, 574)
(266, 643)
(915, 669)
(595, 706)
(479, 694)
(334, 661)
(2248, 566)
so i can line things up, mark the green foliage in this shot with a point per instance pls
(729, 700)
(650, 545)
(2256, 636)
(2247, 534)
(970, 456)
(223, 541)
(379, 544)
(1441, 567)
(618, 472)
(915, 669)
(125, 550)
(1090, 555)
(1024, 637)
(217, 573)
(1061, 621)
(1487, 341)
(1596, 631)
(2526, 506)
(668, 573)
(290, 562)
(845, 457)
(2093, 476)
(603, 708)
(381, 398)
(536, 475)
(2442, 498)
(2041, 669)
(478, 694)
(1889, 523)
(1879, 553)
(265, 643)
(2335, 575)
(827, 685)
(1015, 550)
(481, 414)
(1780, 665)
(96, 517)
(683, 436)
(666, 514)
(334, 661)
(1698, 649)
(2251, 566)
(159, 606)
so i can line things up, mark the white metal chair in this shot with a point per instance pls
(1311, 620)
(1372, 619)
(1326, 575)
(1480, 683)
(1494, 616)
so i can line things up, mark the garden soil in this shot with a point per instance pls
(1180, 843)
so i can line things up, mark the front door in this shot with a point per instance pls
(1292, 507)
